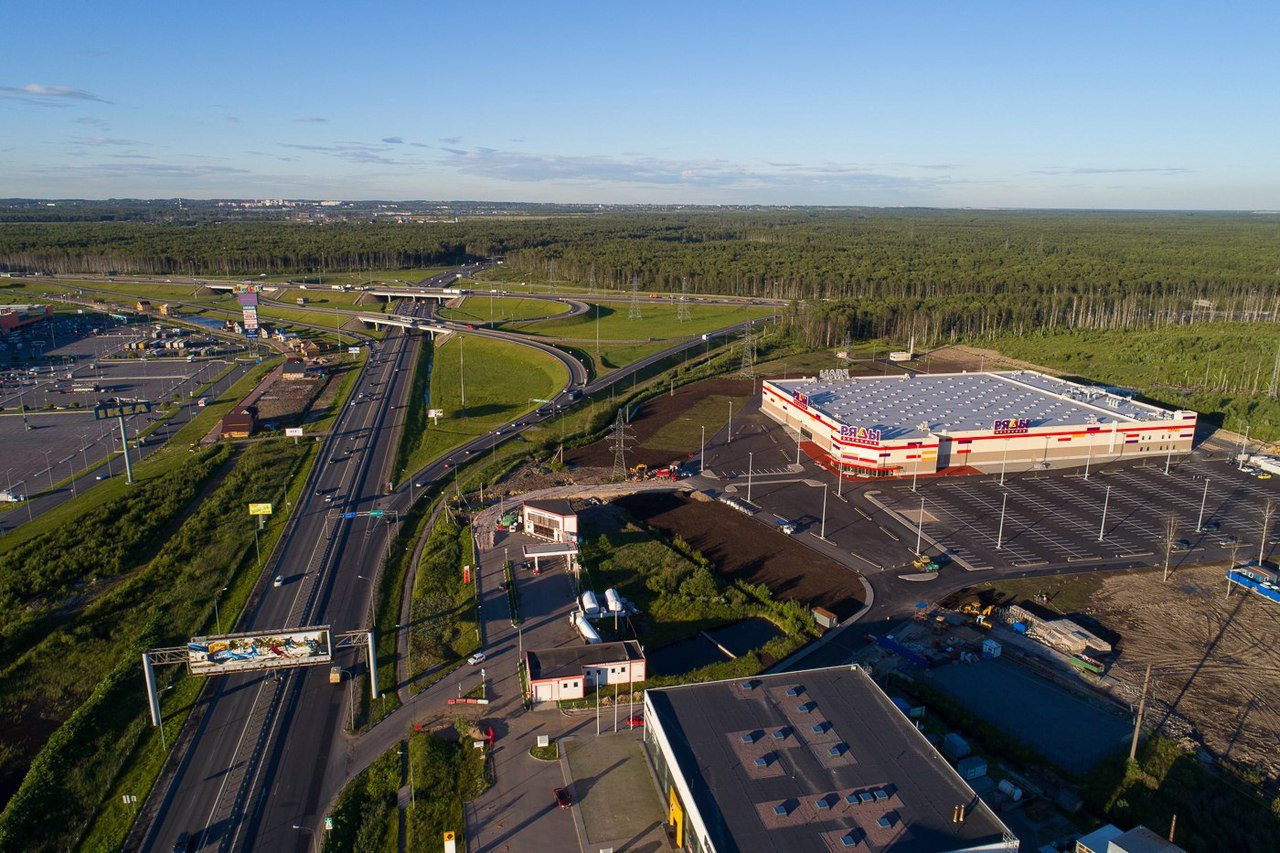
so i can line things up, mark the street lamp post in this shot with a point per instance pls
(702, 450)
(729, 438)
(1000, 534)
(920, 527)
(217, 617)
(825, 489)
(1105, 502)
(1203, 499)
(750, 466)
(311, 844)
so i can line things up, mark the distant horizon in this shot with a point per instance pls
(630, 205)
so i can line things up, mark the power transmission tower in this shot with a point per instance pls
(633, 312)
(748, 367)
(591, 281)
(1275, 375)
(620, 438)
(684, 311)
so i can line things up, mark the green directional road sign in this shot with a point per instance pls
(376, 513)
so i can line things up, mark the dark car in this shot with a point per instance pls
(1211, 527)
(1227, 540)
(1182, 545)
(563, 798)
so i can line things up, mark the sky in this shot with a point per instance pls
(1134, 105)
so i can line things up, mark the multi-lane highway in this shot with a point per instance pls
(250, 763)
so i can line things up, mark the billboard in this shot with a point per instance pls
(259, 509)
(286, 647)
(293, 432)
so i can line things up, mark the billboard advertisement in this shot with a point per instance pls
(293, 432)
(259, 509)
(286, 647)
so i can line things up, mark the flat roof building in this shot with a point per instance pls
(566, 672)
(925, 423)
(552, 519)
(819, 760)
(16, 316)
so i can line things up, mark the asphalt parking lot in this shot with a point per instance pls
(1055, 518)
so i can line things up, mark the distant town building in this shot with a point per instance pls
(240, 422)
(16, 316)
(553, 520)
(143, 306)
(294, 369)
(818, 760)
(567, 672)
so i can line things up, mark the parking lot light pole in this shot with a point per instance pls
(840, 476)
(1000, 533)
(729, 438)
(920, 527)
(1167, 459)
(797, 445)
(1105, 501)
(702, 450)
(1004, 459)
(751, 458)
(1089, 459)
(825, 489)
(1203, 499)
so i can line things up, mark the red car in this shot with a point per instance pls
(563, 798)
(635, 720)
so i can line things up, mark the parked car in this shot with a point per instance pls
(1182, 545)
(478, 657)
(1227, 540)
(1211, 527)
(635, 720)
(563, 798)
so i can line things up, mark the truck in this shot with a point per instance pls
(785, 526)
(926, 564)
(11, 497)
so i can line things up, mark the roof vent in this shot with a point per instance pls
(837, 750)
(751, 737)
(851, 838)
(795, 691)
(880, 794)
(749, 685)
(806, 707)
(821, 728)
(826, 801)
(887, 821)
(866, 797)
(764, 760)
(781, 734)
(782, 809)
(851, 799)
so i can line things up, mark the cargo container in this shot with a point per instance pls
(954, 746)
(972, 767)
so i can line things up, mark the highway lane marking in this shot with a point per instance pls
(227, 776)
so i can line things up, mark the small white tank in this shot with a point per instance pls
(612, 600)
(584, 628)
(589, 602)
(1010, 790)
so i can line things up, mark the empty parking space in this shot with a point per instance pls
(1119, 515)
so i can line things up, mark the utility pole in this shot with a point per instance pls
(1000, 533)
(824, 512)
(1105, 501)
(1203, 499)
(920, 527)
(1137, 724)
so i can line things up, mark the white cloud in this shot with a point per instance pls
(41, 93)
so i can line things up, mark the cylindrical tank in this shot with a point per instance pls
(589, 602)
(612, 600)
(1010, 790)
(584, 628)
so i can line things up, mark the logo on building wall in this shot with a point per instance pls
(836, 375)
(801, 399)
(857, 433)
(1011, 426)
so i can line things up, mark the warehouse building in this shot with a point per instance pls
(885, 426)
(16, 316)
(818, 760)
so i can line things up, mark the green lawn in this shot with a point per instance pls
(501, 380)
(683, 434)
(1221, 370)
(658, 321)
(481, 308)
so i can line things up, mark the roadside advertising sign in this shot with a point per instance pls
(286, 647)
(293, 432)
(353, 350)
(259, 509)
(122, 409)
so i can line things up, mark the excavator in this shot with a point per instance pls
(981, 614)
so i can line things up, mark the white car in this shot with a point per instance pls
(478, 657)
(279, 581)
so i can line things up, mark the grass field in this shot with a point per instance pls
(481, 308)
(659, 321)
(1222, 370)
(501, 381)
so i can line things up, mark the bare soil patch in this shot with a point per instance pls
(1215, 677)
(674, 421)
(743, 548)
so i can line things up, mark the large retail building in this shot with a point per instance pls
(820, 760)
(879, 426)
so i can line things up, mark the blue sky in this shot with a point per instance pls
(1015, 104)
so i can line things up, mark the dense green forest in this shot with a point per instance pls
(938, 275)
